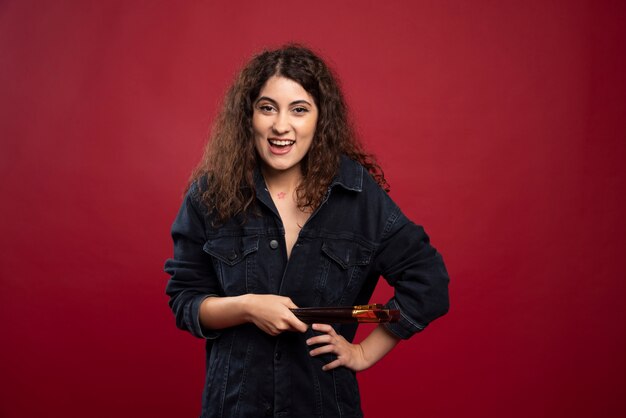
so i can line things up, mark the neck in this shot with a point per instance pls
(285, 181)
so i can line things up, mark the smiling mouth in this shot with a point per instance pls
(281, 142)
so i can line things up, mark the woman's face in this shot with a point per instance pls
(284, 120)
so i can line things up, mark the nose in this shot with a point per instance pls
(281, 124)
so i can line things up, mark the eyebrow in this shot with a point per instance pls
(269, 99)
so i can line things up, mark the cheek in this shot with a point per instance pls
(258, 143)
(314, 123)
(309, 128)
(255, 126)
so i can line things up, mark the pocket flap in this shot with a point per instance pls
(231, 250)
(347, 253)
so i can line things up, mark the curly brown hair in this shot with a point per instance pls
(230, 158)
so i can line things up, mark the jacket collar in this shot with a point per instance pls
(349, 176)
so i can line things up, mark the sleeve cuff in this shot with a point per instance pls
(405, 327)
(193, 320)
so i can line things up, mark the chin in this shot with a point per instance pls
(280, 165)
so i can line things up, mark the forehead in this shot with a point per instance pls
(282, 88)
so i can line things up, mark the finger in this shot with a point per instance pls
(271, 331)
(322, 350)
(324, 328)
(320, 339)
(289, 303)
(296, 325)
(301, 326)
(332, 365)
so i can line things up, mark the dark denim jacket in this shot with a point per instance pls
(356, 235)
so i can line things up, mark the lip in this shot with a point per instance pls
(280, 150)
(281, 139)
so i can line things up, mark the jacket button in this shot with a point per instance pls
(273, 244)
(232, 256)
(277, 355)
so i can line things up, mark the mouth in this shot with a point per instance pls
(281, 143)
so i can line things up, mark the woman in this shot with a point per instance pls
(286, 210)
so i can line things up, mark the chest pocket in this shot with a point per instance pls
(342, 271)
(234, 258)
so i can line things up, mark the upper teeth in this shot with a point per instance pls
(281, 142)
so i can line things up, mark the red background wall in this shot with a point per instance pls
(501, 129)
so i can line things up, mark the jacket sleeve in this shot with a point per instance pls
(192, 274)
(416, 271)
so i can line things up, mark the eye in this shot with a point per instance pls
(300, 110)
(265, 108)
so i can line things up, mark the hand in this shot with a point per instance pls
(271, 313)
(348, 355)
